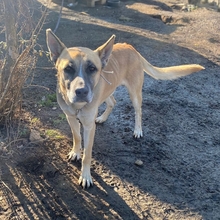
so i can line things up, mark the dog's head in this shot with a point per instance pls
(78, 68)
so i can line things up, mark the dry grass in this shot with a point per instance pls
(13, 77)
(11, 91)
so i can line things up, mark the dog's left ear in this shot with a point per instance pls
(54, 45)
(105, 50)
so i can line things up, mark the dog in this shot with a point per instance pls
(87, 78)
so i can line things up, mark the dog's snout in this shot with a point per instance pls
(82, 92)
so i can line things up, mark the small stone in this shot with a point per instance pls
(138, 162)
(123, 18)
(54, 108)
(35, 136)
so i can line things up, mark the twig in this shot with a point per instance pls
(26, 87)
(21, 139)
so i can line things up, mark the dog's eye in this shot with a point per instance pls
(69, 69)
(91, 69)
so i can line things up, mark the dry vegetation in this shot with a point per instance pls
(18, 56)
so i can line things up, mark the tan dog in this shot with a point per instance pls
(87, 78)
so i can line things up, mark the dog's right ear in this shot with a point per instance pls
(54, 45)
(105, 50)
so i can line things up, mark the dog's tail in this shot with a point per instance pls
(169, 73)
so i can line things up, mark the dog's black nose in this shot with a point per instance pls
(82, 92)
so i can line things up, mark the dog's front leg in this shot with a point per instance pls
(75, 128)
(85, 179)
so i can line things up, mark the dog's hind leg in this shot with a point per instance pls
(135, 92)
(137, 102)
(110, 103)
(74, 154)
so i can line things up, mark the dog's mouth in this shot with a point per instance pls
(80, 97)
(87, 99)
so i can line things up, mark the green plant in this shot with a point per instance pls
(60, 119)
(54, 134)
(49, 100)
(24, 133)
(35, 120)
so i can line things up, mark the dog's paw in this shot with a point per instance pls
(138, 133)
(73, 156)
(85, 180)
(100, 119)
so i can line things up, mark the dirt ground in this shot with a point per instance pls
(180, 150)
